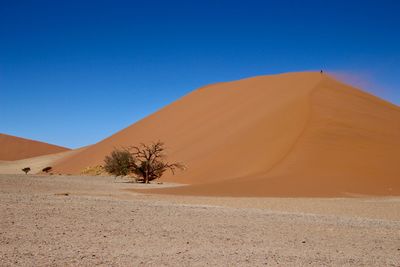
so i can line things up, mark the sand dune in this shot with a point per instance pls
(35, 163)
(16, 148)
(297, 134)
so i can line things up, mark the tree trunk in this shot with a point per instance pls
(146, 177)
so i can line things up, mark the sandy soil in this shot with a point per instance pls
(70, 221)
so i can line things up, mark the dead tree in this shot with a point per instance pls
(149, 161)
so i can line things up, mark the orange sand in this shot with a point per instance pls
(16, 148)
(297, 134)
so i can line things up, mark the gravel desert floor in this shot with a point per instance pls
(86, 221)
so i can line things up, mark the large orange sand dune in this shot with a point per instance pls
(16, 148)
(297, 134)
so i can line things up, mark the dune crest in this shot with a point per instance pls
(296, 134)
(17, 148)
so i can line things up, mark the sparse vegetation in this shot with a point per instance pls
(94, 170)
(26, 170)
(145, 162)
(47, 169)
(119, 163)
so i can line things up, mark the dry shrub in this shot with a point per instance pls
(26, 170)
(94, 170)
(47, 169)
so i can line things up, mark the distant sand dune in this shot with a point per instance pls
(36, 163)
(297, 134)
(16, 148)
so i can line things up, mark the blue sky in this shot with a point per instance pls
(75, 72)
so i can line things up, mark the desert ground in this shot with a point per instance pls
(74, 220)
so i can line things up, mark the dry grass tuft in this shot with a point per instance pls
(94, 170)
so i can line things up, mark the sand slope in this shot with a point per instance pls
(297, 134)
(35, 163)
(16, 148)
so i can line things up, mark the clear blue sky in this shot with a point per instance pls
(75, 72)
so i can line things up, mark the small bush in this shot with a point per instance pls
(47, 169)
(26, 170)
(119, 163)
